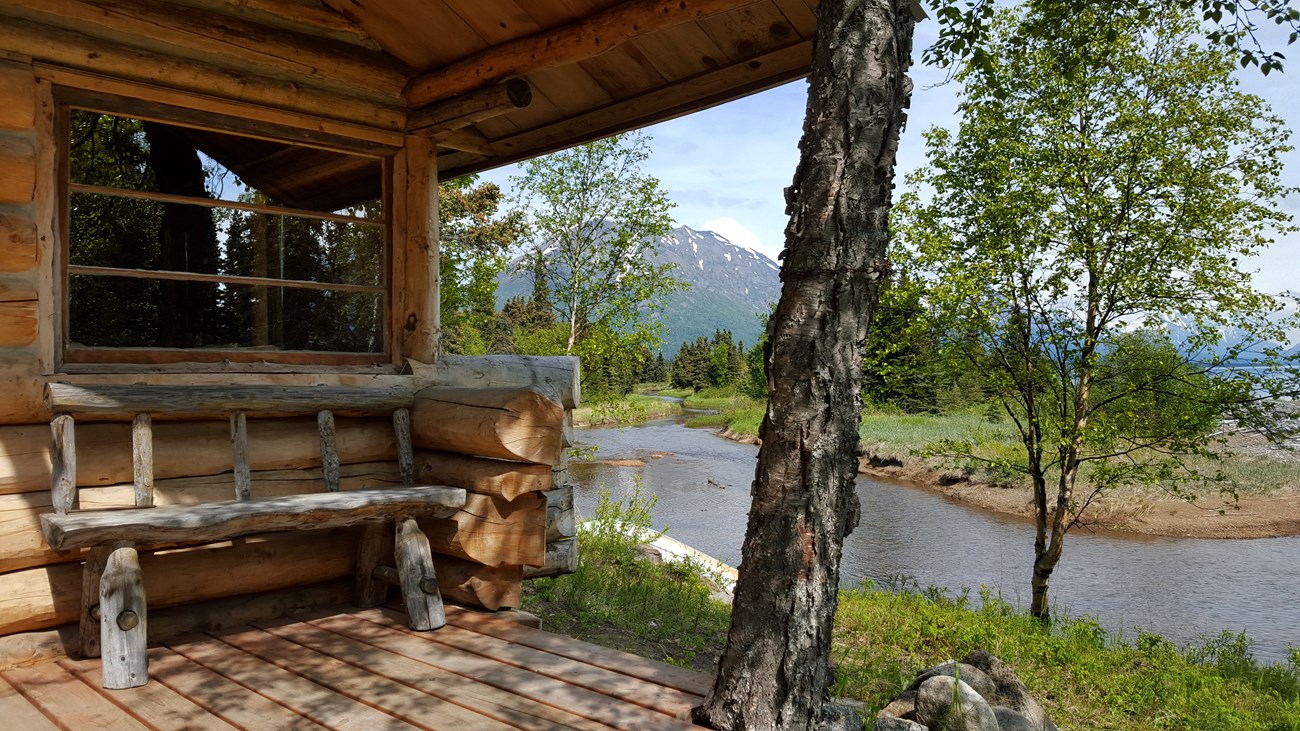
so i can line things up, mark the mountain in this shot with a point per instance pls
(731, 287)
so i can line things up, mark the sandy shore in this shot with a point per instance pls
(1126, 511)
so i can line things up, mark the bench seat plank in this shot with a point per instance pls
(232, 518)
(132, 399)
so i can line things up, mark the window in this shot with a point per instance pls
(185, 244)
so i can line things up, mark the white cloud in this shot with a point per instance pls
(736, 233)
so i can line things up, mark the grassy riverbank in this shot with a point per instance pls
(897, 445)
(630, 409)
(1086, 678)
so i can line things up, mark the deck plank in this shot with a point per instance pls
(153, 704)
(588, 703)
(223, 697)
(682, 679)
(488, 700)
(18, 713)
(60, 695)
(326, 707)
(656, 697)
(396, 699)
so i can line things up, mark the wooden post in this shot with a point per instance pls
(329, 455)
(376, 542)
(419, 582)
(142, 459)
(239, 451)
(122, 620)
(405, 453)
(419, 295)
(64, 457)
(90, 576)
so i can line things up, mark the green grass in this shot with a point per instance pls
(1086, 678)
(622, 600)
(631, 409)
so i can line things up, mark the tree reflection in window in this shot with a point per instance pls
(184, 238)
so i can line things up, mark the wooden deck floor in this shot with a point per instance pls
(362, 669)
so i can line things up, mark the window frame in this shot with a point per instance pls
(70, 357)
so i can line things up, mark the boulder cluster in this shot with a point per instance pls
(979, 693)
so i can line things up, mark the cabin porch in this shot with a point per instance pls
(346, 668)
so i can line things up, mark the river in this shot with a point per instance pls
(1180, 588)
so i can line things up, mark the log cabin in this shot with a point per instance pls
(219, 295)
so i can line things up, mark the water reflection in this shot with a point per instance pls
(1181, 588)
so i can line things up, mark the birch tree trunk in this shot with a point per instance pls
(775, 672)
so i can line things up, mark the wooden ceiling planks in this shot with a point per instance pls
(496, 21)
(571, 89)
(425, 34)
(683, 53)
(747, 31)
(720, 85)
(623, 72)
(800, 14)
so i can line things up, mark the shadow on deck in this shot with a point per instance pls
(352, 669)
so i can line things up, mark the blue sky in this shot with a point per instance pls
(726, 167)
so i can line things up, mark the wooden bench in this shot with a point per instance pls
(113, 618)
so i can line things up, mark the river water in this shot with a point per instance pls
(1180, 588)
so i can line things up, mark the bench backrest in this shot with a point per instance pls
(66, 401)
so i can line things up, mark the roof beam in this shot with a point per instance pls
(471, 107)
(578, 41)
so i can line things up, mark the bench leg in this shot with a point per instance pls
(122, 620)
(376, 542)
(419, 582)
(90, 576)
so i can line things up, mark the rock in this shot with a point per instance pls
(1009, 720)
(1009, 691)
(936, 710)
(903, 706)
(650, 553)
(843, 714)
(970, 675)
(898, 724)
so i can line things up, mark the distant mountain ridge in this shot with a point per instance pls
(732, 287)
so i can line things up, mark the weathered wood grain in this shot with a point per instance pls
(416, 572)
(471, 107)
(561, 558)
(563, 373)
(63, 456)
(116, 399)
(123, 620)
(524, 425)
(142, 459)
(232, 518)
(239, 455)
(329, 453)
(496, 477)
(587, 38)
(18, 90)
(492, 531)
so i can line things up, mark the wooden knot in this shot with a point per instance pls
(128, 620)
(429, 585)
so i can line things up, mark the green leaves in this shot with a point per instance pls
(596, 220)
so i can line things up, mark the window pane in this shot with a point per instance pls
(128, 312)
(121, 152)
(129, 233)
